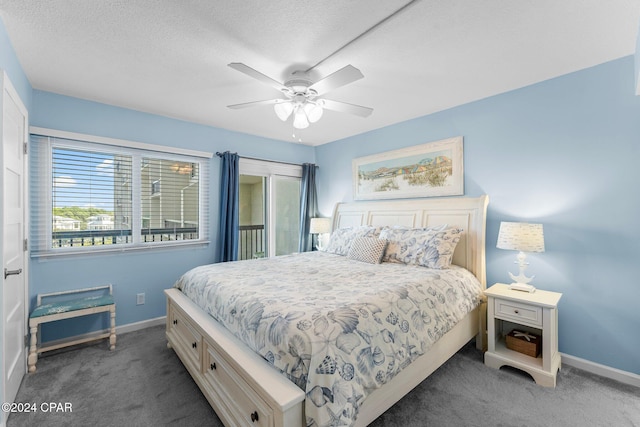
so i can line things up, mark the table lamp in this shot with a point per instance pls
(321, 227)
(522, 237)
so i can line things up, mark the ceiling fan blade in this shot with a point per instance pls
(343, 107)
(343, 76)
(257, 75)
(256, 103)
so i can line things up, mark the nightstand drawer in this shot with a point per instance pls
(509, 310)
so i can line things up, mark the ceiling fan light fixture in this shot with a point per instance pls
(313, 111)
(302, 94)
(300, 120)
(283, 110)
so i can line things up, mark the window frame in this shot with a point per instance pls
(43, 190)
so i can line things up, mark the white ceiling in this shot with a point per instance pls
(170, 57)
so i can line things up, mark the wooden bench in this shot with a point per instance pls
(72, 304)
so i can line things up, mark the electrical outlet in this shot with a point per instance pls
(140, 299)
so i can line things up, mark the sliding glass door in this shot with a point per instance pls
(269, 208)
(286, 214)
(252, 198)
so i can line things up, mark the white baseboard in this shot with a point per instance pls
(123, 329)
(136, 326)
(602, 370)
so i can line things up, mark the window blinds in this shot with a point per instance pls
(94, 197)
(169, 198)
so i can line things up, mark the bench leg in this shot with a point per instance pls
(33, 349)
(112, 337)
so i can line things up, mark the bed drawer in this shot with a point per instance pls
(518, 312)
(188, 336)
(241, 402)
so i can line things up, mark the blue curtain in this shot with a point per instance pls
(229, 214)
(308, 205)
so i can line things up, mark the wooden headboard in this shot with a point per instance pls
(468, 213)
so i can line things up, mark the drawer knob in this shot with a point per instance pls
(254, 416)
(175, 321)
(516, 311)
(213, 367)
(194, 345)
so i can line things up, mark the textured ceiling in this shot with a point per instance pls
(170, 57)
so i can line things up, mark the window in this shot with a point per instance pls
(98, 194)
(170, 202)
(89, 189)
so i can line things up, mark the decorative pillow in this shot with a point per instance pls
(404, 241)
(367, 249)
(429, 247)
(438, 252)
(341, 239)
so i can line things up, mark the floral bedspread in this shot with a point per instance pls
(336, 327)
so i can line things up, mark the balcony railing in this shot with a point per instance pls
(67, 239)
(251, 242)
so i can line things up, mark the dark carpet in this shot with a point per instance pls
(143, 383)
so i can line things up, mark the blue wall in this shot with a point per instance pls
(565, 153)
(149, 271)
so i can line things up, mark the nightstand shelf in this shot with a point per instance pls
(533, 312)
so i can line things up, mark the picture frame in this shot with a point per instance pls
(427, 170)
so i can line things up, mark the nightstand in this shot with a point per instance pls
(535, 312)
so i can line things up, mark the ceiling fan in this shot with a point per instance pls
(303, 96)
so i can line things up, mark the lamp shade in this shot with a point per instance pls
(313, 111)
(283, 110)
(521, 236)
(300, 120)
(320, 225)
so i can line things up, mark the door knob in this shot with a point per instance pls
(11, 272)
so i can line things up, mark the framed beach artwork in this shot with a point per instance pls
(427, 170)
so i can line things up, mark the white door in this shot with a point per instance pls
(14, 284)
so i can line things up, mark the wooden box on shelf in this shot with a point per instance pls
(524, 342)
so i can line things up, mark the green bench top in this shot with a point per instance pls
(71, 305)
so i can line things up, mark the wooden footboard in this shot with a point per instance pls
(245, 390)
(241, 386)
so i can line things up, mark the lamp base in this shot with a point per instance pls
(321, 243)
(521, 282)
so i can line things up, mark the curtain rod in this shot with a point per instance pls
(219, 154)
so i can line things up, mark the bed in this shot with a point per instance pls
(308, 357)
